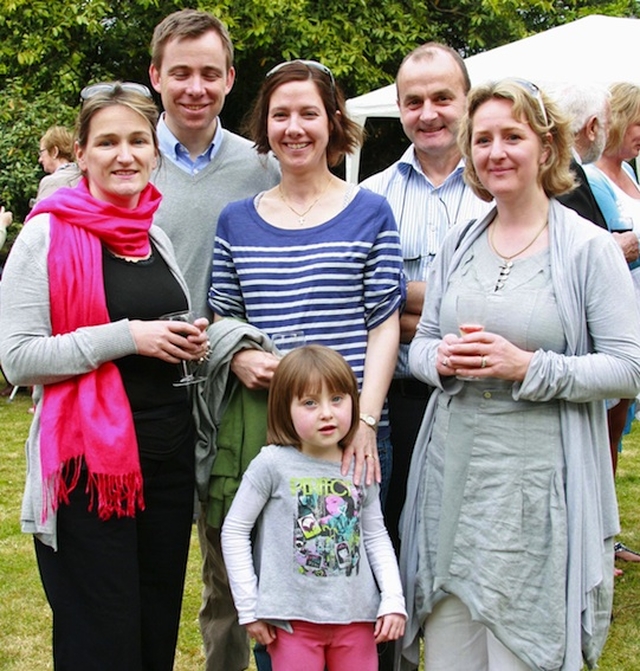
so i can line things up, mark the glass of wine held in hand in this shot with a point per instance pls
(188, 376)
(470, 313)
(285, 342)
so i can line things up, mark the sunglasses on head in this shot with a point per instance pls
(535, 92)
(310, 64)
(104, 88)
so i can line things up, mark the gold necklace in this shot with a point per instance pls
(301, 215)
(522, 251)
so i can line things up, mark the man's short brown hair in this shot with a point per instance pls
(188, 24)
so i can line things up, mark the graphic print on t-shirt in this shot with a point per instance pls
(327, 526)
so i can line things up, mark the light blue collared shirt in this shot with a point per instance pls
(424, 213)
(175, 151)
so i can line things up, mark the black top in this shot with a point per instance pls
(146, 290)
(582, 200)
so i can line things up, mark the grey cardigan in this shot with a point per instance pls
(226, 337)
(30, 355)
(602, 361)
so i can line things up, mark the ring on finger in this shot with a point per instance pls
(445, 362)
(483, 361)
(206, 355)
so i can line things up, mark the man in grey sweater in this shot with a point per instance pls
(203, 168)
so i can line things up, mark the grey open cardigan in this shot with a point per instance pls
(30, 355)
(585, 261)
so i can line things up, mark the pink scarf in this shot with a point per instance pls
(87, 418)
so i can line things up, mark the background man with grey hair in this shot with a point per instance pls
(588, 108)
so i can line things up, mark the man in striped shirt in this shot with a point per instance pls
(428, 196)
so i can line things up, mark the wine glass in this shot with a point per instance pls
(285, 342)
(471, 314)
(188, 377)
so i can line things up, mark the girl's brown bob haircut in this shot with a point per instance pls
(344, 134)
(304, 371)
(532, 106)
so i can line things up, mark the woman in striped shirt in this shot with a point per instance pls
(314, 254)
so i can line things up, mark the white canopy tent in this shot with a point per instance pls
(593, 49)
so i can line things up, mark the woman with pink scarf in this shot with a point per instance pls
(110, 476)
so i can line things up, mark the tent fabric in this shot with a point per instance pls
(594, 49)
(378, 103)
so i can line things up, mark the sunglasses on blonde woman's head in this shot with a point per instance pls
(535, 92)
(105, 88)
(310, 64)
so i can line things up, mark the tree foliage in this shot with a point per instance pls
(22, 122)
(50, 50)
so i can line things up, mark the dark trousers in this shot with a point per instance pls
(407, 400)
(115, 587)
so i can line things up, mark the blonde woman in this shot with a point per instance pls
(511, 512)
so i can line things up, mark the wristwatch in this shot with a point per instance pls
(369, 420)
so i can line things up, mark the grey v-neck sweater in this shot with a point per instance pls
(191, 205)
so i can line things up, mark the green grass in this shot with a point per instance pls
(25, 619)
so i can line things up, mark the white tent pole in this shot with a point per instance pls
(352, 165)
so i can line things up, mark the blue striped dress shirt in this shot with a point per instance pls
(424, 213)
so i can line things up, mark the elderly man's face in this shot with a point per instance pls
(600, 140)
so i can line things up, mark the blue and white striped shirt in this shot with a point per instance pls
(335, 281)
(424, 213)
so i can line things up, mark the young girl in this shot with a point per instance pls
(321, 543)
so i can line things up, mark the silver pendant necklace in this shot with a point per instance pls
(507, 261)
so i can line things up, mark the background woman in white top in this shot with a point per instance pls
(615, 187)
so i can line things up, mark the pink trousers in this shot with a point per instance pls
(312, 647)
